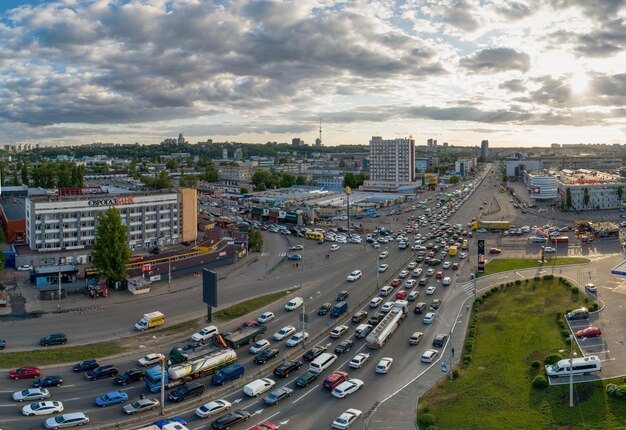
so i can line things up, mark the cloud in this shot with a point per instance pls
(493, 60)
(513, 85)
(514, 10)
(460, 14)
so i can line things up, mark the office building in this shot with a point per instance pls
(484, 149)
(296, 141)
(542, 185)
(431, 144)
(392, 160)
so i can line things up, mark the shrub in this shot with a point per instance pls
(565, 334)
(455, 373)
(575, 290)
(567, 341)
(427, 420)
(536, 364)
(540, 382)
(471, 332)
(536, 278)
(432, 428)
(467, 359)
(594, 307)
(548, 277)
(552, 359)
(518, 281)
(469, 345)
(478, 301)
(527, 281)
(618, 391)
(494, 290)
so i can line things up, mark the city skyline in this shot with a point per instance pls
(516, 73)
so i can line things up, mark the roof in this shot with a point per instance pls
(55, 269)
(14, 208)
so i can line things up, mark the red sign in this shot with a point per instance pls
(535, 190)
(146, 267)
(222, 254)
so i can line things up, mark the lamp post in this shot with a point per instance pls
(163, 385)
(445, 322)
(572, 354)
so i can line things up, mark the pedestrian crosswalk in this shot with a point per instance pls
(468, 287)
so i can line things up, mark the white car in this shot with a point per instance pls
(591, 288)
(429, 356)
(375, 302)
(384, 365)
(383, 255)
(353, 276)
(429, 318)
(549, 250)
(430, 272)
(294, 304)
(338, 331)
(213, 408)
(359, 360)
(151, 359)
(403, 274)
(462, 255)
(334, 247)
(382, 268)
(66, 420)
(259, 346)
(42, 408)
(387, 306)
(31, 394)
(297, 339)
(296, 248)
(410, 283)
(346, 388)
(446, 265)
(412, 265)
(25, 268)
(413, 295)
(266, 317)
(430, 290)
(446, 281)
(284, 332)
(205, 334)
(346, 419)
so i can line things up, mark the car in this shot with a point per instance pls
(430, 290)
(85, 366)
(294, 257)
(230, 419)
(129, 376)
(591, 288)
(495, 251)
(259, 346)
(25, 268)
(346, 388)
(285, 369)
(578, 314)
(410, 283)
(383, 255)
(306, 378)
(266, 356)
(359, 360)
(111, 398)
(284, 332)
(3, 343)
(430, 272)
(265, 426)
(334, 247)
(31, 394)
(174, 423)
(346, 419)
(344, 346)
(342, 295)
(416, 337)
(246, 324)
(53, 339)
(429, 318)
(403, 274)
(296, 248)
(440, 340)
(266, 317)
(549, 250)
(338, 331)
(205, 334)
(324, 308)
(42, 408)
(589, 332)
(141, 405)
(48, 381)
(354, 275)
(463, 255)
(335, 379)
(396, 282)
(359, 316)
(429, 355)
(402, 294)
(446, 265)
(412, 265)
(213, 408)
(314, 352)
(382, 268)
(455, 266)
(385, 291)
(277, 395)
(384, 365)
(25, 372)
(375, 319)
(439, 275)
(375, 302)
(294, 304)
(297, 339)
(436, 304)
(66, 420)
(387, 307)
(101, 372)
(151, 359)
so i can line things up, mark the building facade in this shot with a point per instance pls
(484, 149)
(392, 160)
(542, 185)
(421, 164)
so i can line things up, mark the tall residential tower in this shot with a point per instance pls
(392, 160)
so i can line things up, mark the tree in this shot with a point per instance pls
(261, 176)
(24, 174)
(342, 163)
(586, 196)
(110, 251)
(244, 190)
(261, 187)
(255, 240)
(620, 193)
(568, 198)
(210, 173)
(287, 180)
(188, 181)
(16, 178)
(163, 180)
(300, 180)
(1, 261)
(171, 165)
(454, 179)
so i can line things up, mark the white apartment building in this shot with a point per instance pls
(603, 189)
(541, 184)
(392, 160)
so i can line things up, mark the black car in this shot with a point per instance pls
(436, 304)
(288, 367)
(230, 419)
(359, 316)
(53, 339)
(190, 389)
(343, 347)
(128, 377)
(375, 319)
(306, 378)
(3, 343)
(277, 395)
(420, 308)
(324, 309)
(314, 352)
(440, 340)
(266, 356)
(102, 372)
(85, 366)
(47, 381)
(342, 295)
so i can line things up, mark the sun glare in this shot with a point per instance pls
(579, 82)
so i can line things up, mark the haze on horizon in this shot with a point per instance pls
(518, 73)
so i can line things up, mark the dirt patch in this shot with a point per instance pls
(488, 318)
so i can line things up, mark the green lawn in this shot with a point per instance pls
(505, 264)
(494, 391)
(243, 308)
(70, 354)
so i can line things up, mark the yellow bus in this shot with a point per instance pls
(314, 235)
(452, 251)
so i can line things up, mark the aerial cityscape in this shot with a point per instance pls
(266, 215)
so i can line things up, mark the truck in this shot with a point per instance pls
(241, 337)
(190, 351)
(200, 366)
(150, 320)
(452, 251)
(491, 225)
(559, 239)
(383, 331)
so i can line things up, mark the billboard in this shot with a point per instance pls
(481, 255)
(209, 287)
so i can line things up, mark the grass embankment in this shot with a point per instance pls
(513, 328)
(505, 264)
(243, 308)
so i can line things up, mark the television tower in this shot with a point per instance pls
(318, 141)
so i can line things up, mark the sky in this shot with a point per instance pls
(517, 73)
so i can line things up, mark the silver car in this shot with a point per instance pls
(141, 405)
(67, 420)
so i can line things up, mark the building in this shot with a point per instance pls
(333, 182)
(181, 139)
(445, 145)
(296, 141)
(431, 144)
(421, 164)
(464, 165)
(392, 160)
(318, 142)
(484, 149)
(238, 154)
(602, 190)
(542, 185)
(515, 166)
(235, 174)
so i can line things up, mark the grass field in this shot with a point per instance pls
(243, 308)
(505, 264)
(494, 391)
(70, 354)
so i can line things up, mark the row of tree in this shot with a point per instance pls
(353, 180)
(264, 179)
(46, 174)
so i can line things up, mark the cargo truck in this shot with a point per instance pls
(242, 337)
(491, 225)
(383, 331)
(150, 320)
(189, 352)
(560, 239)
(178, 374)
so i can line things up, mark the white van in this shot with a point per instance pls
(294, 304)
(362, 330)
(580, 366)
(258, 387)
(323, 362)
(446, 281)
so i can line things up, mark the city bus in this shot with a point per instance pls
(315, 235)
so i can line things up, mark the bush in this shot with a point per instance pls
(467, 359)
(426, 420)
(471, 332)
(469, 345)
(565, 334)
(618, 391)
(536, 278)
(455, 373)
(432, 428)
(594, 307)
(518, 281)
(575, 290)
(548, 277)
(494, 290)
(540, 382)
(567, 341)
(527, 281)
(552, 359)
(536, 364)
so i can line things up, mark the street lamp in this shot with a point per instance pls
(163, 384)
(445, 322)
(572, 354)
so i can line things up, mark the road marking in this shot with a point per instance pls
(202, 426)
(305, 394)
(73, 385)
(268, 418)
(7, 406)
(73, 398)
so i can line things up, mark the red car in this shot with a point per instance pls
(455, 266)
(396, 282)
(265, 426)
(25, 373)
(335, 379)
(263, 228)
(431, 254)
(439, 275)
(589, 332)
(495, 251)
(402, 294)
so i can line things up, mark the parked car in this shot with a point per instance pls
(495, 251)
(589, 332)
(25, 268)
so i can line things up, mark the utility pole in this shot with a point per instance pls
(59, 286)
(169, 274)
(348, 207)
(163, 385)
(571, 371)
